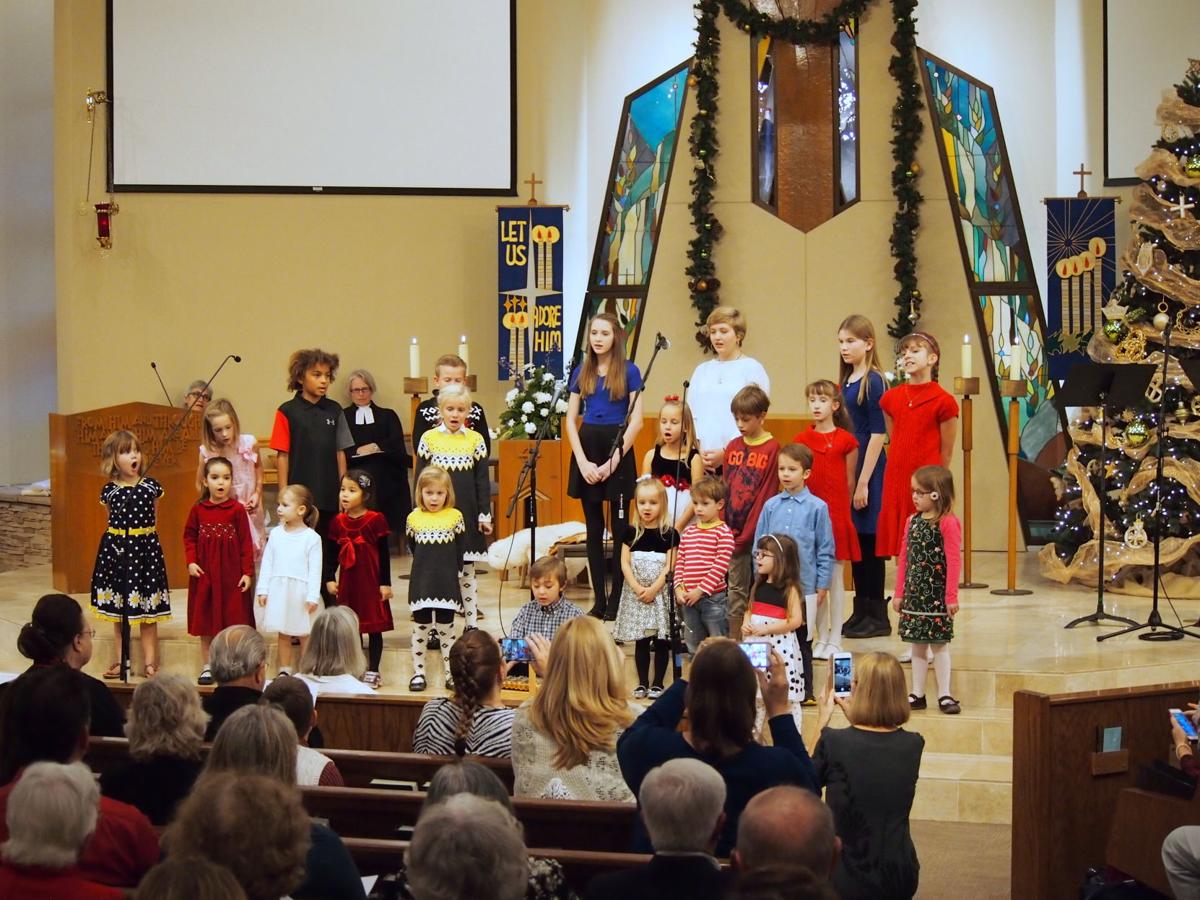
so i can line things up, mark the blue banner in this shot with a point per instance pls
(1081, 271)
(531, 289)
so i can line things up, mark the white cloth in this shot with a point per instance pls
(310, 764)
(364, 415)
(290, 577)
(335, 684)
(713, 386)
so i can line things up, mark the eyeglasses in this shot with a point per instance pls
(917, 493)
(360, 390)
(762, 553)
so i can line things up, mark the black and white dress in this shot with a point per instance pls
(436, 541)
(130, 571)
(490, 733)
(769, 607)
(647, 559)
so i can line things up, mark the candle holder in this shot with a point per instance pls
(416, 387)
(1013, 390)
(966, 388)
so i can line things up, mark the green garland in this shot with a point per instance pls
(703, 285)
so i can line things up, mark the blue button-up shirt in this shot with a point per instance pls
(805, 519)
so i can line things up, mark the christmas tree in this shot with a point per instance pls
(1160, 292)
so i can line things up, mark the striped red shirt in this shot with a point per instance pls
(703, 559)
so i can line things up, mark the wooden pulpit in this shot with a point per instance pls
(78, 518)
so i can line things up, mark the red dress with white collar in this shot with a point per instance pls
(217, 538)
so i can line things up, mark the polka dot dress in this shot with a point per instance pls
(130, 570)
(769, 598)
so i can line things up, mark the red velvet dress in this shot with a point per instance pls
(362, 568)
(917, 412)
(828, 482)
(217, 538)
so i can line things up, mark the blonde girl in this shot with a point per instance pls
(647, 555)
(130, 571)
(835, 461)
(463, 454)
(675, 459)
(222, 436)
(289, 580)
(776, 608)
(437, 539)
(927, 570)
(602, 389)
(863, 384)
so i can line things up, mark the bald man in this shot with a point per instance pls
(787, 825)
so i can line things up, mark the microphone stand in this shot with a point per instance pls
(125, 627)
(166, 393)
(672, 614)
(529, 470)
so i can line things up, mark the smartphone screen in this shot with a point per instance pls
(843, 674)
(515, 649)
(1185, 723)
(758, 652)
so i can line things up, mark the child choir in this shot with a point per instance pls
(742, 534)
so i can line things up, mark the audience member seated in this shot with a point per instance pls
(719, 700)
(253, 825)
(259, 740)
(333, 661)
(474, 721)
(165, 731)
(295, 700)
(869, 772)
(546, 879)
(238, 660)
(1181, 848)
(785, 826)
(683, 803)
(782, 881)
(189, 878)
(51, 815)
(464, 847)
(564, 739)
(58, 634)
(45, 719)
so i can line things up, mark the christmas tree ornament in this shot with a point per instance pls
(1191, 165)
(1161, 318)
(1182, 413)
(1115, 330)
(1132, 348)
(1135, 535)
(1136, 434)
(1145, 258)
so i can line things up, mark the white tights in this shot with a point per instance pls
(941, 668)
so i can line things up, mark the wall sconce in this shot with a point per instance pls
(91, 100)
(104, 214)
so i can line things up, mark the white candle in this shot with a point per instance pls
(414, 359)
(966, 356)
(462, 351)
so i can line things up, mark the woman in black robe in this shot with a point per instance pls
(379, 449)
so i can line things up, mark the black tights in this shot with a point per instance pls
(868, 573)
(374, 651)
(593, 518)
(641, 659)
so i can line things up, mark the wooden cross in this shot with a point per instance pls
(1182, 206)
(1081, 171)
(533, 181)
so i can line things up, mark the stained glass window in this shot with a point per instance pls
(628, 311)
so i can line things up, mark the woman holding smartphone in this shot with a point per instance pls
(869, 773)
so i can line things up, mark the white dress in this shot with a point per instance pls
(713, 386)
(334, 684)
(290, 576)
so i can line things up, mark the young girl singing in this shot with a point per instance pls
(776, 608)
(364, 581)
(601, 389)
(223, 437)
(920, 418)
(463, 453)
(675, 459)
(437, 539)
(863, 385)
(646, 556)
(835, 461)
(927, 570)
(289, 579)
(220, 557)
(130, 571)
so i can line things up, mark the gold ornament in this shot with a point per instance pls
(1154, 389)
(1145, 257)
(1195, 404)
(1136, 434)
(915, 168)
(692, 81)
(1135, 535)
(1182, 413)
(1192, 166)
(1194, 67)
(1115, 330)
(1132, 348)
(1183, 329)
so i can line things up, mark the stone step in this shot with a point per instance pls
(956, 787)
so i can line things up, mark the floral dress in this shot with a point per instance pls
(927, 578)
(130, 569)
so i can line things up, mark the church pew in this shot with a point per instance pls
(1065, 794)
(375, 813)
(358, 767)
(1141, 823)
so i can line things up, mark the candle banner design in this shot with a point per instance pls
(530, 288)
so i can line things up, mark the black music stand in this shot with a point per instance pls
(1104, 385)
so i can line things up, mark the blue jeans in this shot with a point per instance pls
(709, 617)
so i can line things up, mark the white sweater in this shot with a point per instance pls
(713, 386)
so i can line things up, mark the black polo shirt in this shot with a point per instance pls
(311, 434)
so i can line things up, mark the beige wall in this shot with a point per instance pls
(27, 362)
(193, 277)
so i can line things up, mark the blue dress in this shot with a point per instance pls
(868, 420)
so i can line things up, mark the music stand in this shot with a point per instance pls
(1099, 385)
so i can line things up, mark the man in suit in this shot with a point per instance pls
(683, 803)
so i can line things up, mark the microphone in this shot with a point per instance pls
(660, 342)
(686, 384)
(236, 358)
(166, 393)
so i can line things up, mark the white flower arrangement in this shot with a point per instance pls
(531, 404)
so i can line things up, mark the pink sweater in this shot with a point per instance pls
(951, 543)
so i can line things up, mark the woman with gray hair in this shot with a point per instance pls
(238, 661)
(379, 449)
(467, 846)
(333, 661)
(51, 814)
(165, 730)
